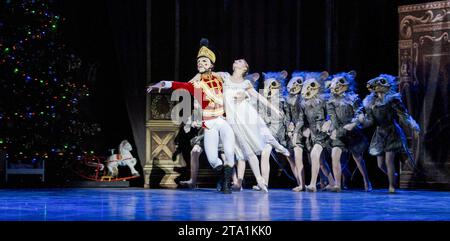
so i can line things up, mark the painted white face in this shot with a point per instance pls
(311, 88)
(270, 85)
(338, 85)
(204, 64)
(295, 85)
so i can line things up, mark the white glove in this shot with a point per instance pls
(160, 85)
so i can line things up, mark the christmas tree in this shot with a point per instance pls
(43, 89)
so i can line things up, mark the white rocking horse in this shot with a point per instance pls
(124, 158)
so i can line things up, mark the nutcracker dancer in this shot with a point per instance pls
(207, 88)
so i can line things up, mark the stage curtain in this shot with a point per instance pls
(128, 27)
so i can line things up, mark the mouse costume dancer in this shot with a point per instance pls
(342, 106)
(295, 142)
(194, 122)
(313, 116)
(274, 92)
(207, 88)
(384, 108)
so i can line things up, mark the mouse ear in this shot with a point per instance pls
(284, 74)
(324, 75)
(255, 77)
(352, 73)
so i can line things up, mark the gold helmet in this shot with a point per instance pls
(205, 51)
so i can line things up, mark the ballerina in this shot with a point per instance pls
(239, 171)
(251, 132)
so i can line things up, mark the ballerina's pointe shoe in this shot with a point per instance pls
(297, 189)
(262, 185)
(368, 187)
(311, 188)
(256, 188)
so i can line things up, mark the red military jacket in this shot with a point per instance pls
(208, 91)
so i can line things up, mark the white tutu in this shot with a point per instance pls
(250, 130)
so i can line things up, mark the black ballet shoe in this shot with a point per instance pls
(228, 172)
(219, 173)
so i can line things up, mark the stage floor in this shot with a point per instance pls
(76, 204)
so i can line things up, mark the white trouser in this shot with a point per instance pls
(219, 128)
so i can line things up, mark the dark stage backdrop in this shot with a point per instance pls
(111, 35)
(141, 41)
(275, 35)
